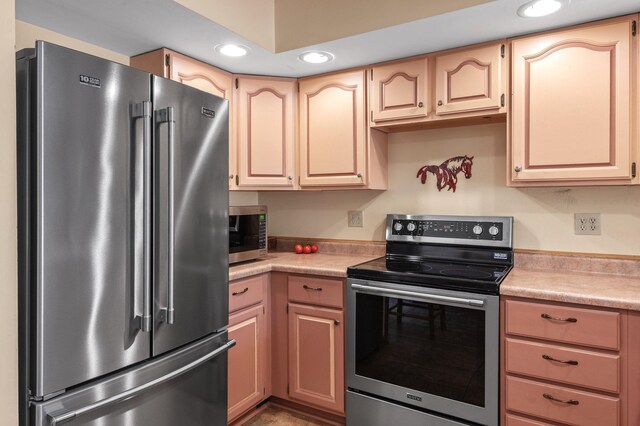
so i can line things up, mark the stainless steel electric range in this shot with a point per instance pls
(423, 323)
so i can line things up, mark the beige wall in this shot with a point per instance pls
(8, 249)
(27, 34)
(543, 216)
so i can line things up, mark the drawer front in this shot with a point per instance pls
(246, 292)
(527, 397)
(566, 365)
(316, 291)
(519, 421)
(587, 327)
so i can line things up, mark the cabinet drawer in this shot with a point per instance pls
(588, 409)
(587, 327)
(316, 291)
(573, 366)
(246, 292)
(519, 421)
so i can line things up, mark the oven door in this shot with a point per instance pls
(430, 348)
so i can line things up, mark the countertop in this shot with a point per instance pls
(586, 288)
(332, 265)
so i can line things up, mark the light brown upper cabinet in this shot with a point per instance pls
(571, 118)
(399, 90)
(180, 68)
(471, 80)
(266, 125)
(336, 147)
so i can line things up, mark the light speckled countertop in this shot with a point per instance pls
(605, 290)
(333, 265)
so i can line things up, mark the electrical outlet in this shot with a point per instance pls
(588, 224)
(355, 219)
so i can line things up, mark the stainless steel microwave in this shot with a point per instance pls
(247, 233)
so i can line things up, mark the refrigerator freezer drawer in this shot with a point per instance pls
(185, 387)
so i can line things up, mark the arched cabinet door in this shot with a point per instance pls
(333, 130)
(571, 106)
(399, 90)
(266, 132)
(471, 80)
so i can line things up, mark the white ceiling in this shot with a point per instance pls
(131, 27)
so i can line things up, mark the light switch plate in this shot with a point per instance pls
(354, 218)
(588, 224)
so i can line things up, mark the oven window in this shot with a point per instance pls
(425, 347)
(244, 233)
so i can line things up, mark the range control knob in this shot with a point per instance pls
(477, 229)
(411, 227)
(493, 230)
(397, 226)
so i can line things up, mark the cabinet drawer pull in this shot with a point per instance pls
(550, 358)
(238, 293)
(567, 401)
(306, 287)
(549, 317)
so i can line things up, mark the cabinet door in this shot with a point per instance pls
(571, 104)
(212, 80)
(246, 360)
(399, 90)
(470, 80)
(265, 129)
(316, 356)
(333, 130)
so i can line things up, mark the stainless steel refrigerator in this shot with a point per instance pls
(123, 245)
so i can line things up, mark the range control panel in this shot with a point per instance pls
(491, 231)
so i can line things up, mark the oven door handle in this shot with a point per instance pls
(380, 291)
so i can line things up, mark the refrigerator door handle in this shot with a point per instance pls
(166, 115)
(64, 417)
(143, 110)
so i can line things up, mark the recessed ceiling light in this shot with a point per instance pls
(538, 8)
(316, 57)
(233, 50)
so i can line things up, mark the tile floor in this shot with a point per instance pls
(278, 416)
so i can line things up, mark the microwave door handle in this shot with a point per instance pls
(57, 419)
(167, 115)
(143, 110)
(433, 298)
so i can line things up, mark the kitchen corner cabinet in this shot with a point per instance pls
(568, 364)
(316, 342)
(571, 117)
(248, 360)
(399, 90)
(180, 68)
(471, 80)
(266, 127)
(337, 150)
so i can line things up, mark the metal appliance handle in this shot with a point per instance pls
(167, 115)
(421, 296)
(58, 419)
(143, 110)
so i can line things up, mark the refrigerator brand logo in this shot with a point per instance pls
(209, 113)
(89, 81)
(500, 256)
(414, 397)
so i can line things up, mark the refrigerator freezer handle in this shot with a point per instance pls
(143, 110)
(59, 419)
(166, 115)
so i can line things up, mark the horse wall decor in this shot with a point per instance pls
(447, 172)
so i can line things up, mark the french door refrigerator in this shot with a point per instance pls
(123, 241)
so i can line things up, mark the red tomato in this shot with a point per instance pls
(314, 248)
(298, 249)
(307, 249)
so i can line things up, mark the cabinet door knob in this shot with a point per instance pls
(359, 175)
(230, 176)
(517, 169)
(336, 322)
(439, 103)
(290, 177)
(420, 104)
